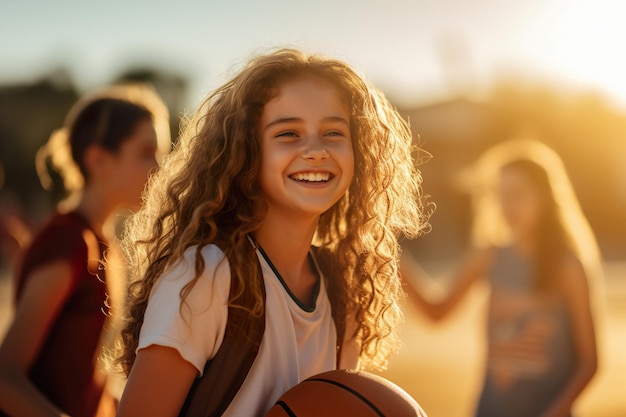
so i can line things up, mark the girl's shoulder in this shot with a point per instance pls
(211, 254)
(503, 254)
(201, 286)
(569, 258)
(188, 307)
(62, 227)
(568, 265)
(61, 237)
(210, 257)
(482, 258)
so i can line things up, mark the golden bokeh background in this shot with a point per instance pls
(466, 73)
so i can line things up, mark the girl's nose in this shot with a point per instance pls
(314, 148)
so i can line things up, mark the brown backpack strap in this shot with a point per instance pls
(223, 375)
(340, 327)
(323, 260)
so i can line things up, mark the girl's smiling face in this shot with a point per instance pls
(307, 161)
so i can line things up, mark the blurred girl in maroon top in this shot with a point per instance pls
(48, 360)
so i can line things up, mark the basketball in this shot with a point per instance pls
(346, 393)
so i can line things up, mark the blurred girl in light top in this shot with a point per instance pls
(294, 150)
(538, 255)
(104, 154)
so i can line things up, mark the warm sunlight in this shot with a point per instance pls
(581, 45)
(463, 75)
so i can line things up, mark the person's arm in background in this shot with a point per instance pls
(575, 288)
(473, 268)
(45, 293)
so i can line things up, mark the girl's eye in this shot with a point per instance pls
(335, 133)
(287, 134)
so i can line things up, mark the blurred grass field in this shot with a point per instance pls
(441, 363)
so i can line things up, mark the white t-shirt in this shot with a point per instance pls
(298, 342)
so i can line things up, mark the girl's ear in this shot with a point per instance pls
(97, 162)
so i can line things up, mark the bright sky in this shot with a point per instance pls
(415, 50)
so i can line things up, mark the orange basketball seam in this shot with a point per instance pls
(351, 391)
(286, 408)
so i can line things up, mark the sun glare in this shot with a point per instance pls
(584, 45)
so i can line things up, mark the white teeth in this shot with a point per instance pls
(311, 176)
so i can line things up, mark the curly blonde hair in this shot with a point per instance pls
(207, 191)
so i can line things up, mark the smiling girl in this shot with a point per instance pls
(293, 180)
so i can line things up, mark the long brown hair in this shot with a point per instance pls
(208, 192)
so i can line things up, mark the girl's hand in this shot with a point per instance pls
(472, 269)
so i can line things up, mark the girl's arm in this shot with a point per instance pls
(472, 269)
(45, 293)
(576, 290)
(158, 383)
